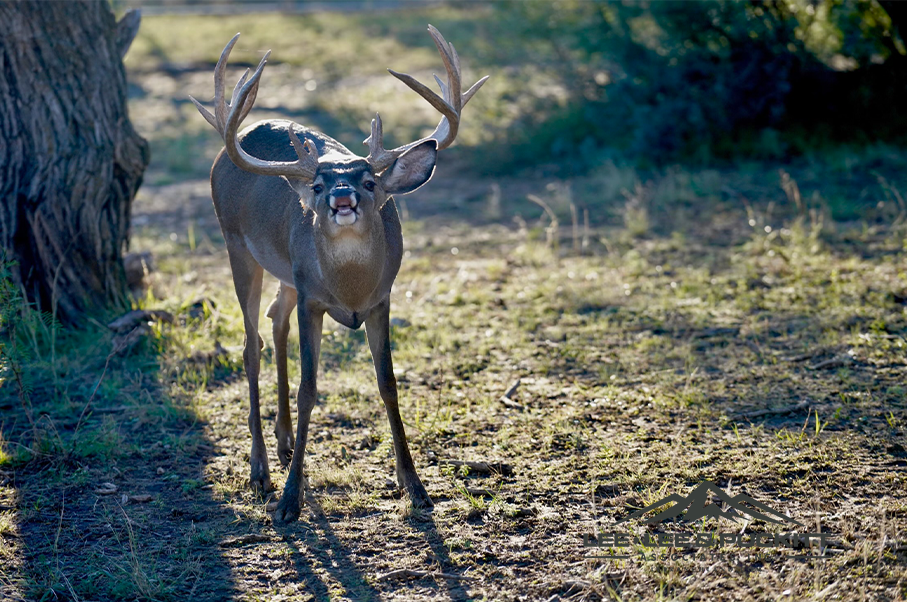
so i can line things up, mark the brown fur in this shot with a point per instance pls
(322, 220)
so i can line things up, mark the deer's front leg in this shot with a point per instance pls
(279, 311)
(310, 321)
(377, 328)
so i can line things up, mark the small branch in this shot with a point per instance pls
(404, 573)
(835, 362)
(551, 230)
(126, 30)
(507, 398)
(481, 467)
(246, 539)
(512, 404)
(574, 216)
(128, 321)
(771, 411)
(812, 354)
(799, 358)
(716, 332)
(585, 242)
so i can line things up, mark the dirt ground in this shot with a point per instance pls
(704, 326)
(630, 390)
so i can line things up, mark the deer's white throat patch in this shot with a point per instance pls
(350, 249)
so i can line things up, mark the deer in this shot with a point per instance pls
(322, 220)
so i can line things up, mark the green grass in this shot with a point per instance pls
(642, 342)
(327, 70)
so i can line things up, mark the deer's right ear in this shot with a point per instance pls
(412, 169)
(303, 188)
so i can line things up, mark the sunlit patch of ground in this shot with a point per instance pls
(639, 361)
(702, 326)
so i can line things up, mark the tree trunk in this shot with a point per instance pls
(70, 161)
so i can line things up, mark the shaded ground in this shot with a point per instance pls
(643, 344)
(636, 362)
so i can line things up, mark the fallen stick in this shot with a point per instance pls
(813, 354)
(770, 411)
(507, 400)
(132, 319)
(576, 586)
(482, 467)
(716, 332)
(512, 404)
(246, 539)
(835, 362)
(402, 573)
(800, 358)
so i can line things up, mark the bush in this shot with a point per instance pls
(666, 81)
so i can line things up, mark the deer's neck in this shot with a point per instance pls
(353, 263)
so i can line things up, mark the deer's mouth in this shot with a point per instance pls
(344, 210)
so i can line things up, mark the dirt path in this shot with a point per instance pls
(646, 367)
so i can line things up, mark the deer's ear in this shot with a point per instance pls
(303, 188)
(412, 169)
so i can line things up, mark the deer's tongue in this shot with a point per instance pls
(343, 206)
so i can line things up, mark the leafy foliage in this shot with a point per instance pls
(701, 80)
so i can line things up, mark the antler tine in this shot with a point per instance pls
(445, 91)
(451, 63)
(220, 103)
(239, 85)
(205, 113)
(375, 141)
(253, 92)
(243, 93)
(218, 120)
(305, 151)
(449, 104)
(228, 117)
(425, 92)
(475, 88)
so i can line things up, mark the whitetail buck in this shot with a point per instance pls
(321, 219)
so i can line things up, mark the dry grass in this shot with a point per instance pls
(698, 297)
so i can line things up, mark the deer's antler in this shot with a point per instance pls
(228, 117)
(450, 105)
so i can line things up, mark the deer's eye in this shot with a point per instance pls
(369, 185)
(317, 188)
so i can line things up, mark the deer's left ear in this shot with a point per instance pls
(412, 169)
(303, 187)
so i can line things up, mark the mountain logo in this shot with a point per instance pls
(697, 506)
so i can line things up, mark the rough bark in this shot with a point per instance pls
(70, 161)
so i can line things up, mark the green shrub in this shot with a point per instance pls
(666, 81)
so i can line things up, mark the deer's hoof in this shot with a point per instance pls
(261, 485)
(287, 509)
(260, 480)
(285, 449)
(418, 496)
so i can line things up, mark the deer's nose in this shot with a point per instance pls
(343, 195)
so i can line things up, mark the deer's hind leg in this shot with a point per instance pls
(279, 311)
(247, 277)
